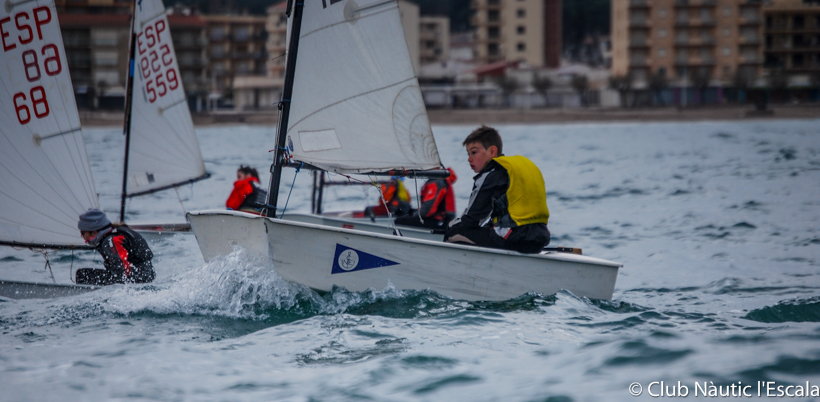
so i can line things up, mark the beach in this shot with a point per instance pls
(518, 116)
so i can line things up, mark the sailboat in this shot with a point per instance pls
(161, 148)
(352, 105)
(45, 177)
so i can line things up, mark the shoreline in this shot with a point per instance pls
(517, 116)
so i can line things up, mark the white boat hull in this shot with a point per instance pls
(34, 290)
(321, 257)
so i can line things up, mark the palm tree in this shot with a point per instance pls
(542, 85)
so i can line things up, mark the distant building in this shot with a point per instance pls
(792, 29)
(410, 20)
(190, 36)
(97, 54)
(236, 49)
(96, 48)
(94, 6)
(528, 30)
(277, 27)
(434, 38)
(691, 41)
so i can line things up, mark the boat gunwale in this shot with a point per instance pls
(565, 257)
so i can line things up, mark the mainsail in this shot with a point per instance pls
(163, 148)
(45, 178)
(356, 105)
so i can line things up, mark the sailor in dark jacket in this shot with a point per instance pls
(508, 205)
(126, 255)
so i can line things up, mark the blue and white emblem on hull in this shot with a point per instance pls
(347, 259)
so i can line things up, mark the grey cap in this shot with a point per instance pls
(92, 220)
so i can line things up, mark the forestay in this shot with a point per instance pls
(163, 149)
(45, 178)
(356, 104)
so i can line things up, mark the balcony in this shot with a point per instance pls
(751, 60)
(704, 22)
(695, 41)
(746, 20)
(695, 3)
(189, 43)
(638, 23)
(247, 55)
(638, 62)
(749, 40)
(191, 62)
(639, 42)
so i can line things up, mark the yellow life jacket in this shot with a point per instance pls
(526, 196)
(404, 195)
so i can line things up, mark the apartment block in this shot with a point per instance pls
(434, 39)
(702, 40)
(97, 54)
(94, 6)
(190, 36)
(96, 47)
(277, 27)
(516, 30)
(236, 48)
(792, 29)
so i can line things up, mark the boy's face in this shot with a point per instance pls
(478, 156)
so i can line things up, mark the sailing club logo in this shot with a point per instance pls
(347, 259)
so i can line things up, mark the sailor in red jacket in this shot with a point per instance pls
(438, 204)
(126, 255)
(247, 195)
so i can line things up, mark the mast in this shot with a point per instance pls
(129, 89)
(284, 105)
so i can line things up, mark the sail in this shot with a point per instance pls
(163, 150)
(45, 178)
(356, 104)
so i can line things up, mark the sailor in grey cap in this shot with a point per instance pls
(126, 255)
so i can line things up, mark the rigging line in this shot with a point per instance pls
(291, 190)
(351, 97)
(176, 189)
(418, 198)
(71, 268)
(48, 265)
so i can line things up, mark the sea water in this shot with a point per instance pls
(717, 225)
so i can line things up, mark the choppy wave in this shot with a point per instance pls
(800, 310)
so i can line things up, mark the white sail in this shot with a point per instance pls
(164, 150)
(356, 104)
(45, 178)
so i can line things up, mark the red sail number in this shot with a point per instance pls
(39, 105)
